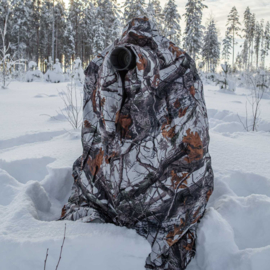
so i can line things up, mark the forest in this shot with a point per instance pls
(45, 30)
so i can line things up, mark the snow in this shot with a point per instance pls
(38, 148)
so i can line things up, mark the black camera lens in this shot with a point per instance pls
(123, 58)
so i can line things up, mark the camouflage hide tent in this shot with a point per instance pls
(145, 162)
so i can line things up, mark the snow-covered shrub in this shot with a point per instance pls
(7, 62)
(32, 65)
(33, 74)
(209, 77)
(224, 82)
(56, 74)
(201, 65)
(77, 73)
(231, 85)
(67, 75)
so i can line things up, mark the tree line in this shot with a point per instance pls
(46, 30)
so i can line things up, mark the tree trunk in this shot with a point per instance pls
(53, 34)
(233, 52)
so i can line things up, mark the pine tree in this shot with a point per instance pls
(265, 43)
(68, 44)
(133, 8)
(36, 26)
(227, 46)
(211, 46)
(108, 12)
(60, 24)
(99, 37)
(20, 17)
(267, 39)
(233, 27)
(155, 14)
(247, 33)
(172, 28)
(87, 25)
(45, 32)
(76, 11)
(23, 31)
(242, 57)
(5, 7)
(257, 40)
(252, 36)
(245, 53)
(194, 30)
(239, 61)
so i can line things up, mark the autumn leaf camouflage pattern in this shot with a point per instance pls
(145, 162)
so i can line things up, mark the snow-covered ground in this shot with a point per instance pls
(38, 147)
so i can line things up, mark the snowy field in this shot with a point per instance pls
(38, 148)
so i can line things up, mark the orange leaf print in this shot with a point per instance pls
(175, 50)
(208, 194)
(124, 33)
(102, 103)
(87, 124)
(142, 62)
(194, 146)
(108, 158)
(63, 212)
(170, 236)
(192, 90)
(182, 112)
(176, 104)
(167, 133)
(125, 122)
(178, 181)
(190, 241)
(94, 164)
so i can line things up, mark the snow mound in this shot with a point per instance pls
(234, 233)
(225, 121)
(39, 198)
(27, 169)
(252, 183)
(9, 188)
(58, 183)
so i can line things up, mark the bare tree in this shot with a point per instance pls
(45, 261)
(7, 62)
(4, 65)
(258, 87)
(73, 105)
(60, 255)
(245, 123)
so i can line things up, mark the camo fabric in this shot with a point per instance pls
(145, 162)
